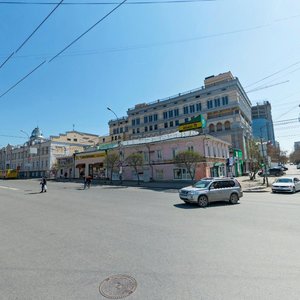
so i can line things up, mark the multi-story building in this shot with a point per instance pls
(296, 146)
(262, 123)
(158, 156)
(38, 155)
(222, 101)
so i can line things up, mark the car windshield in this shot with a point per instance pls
(202, 184)
(284, 180)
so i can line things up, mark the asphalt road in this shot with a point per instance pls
(62, 244)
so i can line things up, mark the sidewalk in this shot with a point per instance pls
(246, 183)
(255, 185)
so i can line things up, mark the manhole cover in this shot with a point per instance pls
(117, 287)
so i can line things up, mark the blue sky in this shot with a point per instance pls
(142, 53)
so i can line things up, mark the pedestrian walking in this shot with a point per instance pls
(43, 184)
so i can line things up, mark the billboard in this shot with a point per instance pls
(194, 124)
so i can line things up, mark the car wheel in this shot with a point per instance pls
(294, 190)
(234, 198)
(202, 201)
(273, 192)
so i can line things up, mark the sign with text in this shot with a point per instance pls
(195, 123)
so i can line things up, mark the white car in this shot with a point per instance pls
(286, 184)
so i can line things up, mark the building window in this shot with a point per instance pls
(126, 128)
(181, 174)
(171, 124)
(192, 109)
(165, 115)
(138, 130)
(155, 127)
(186, 120)
(150, 128)
(145, 119)
(166, 125)
(146, 128)
(227, 125)
(150, 119)
(209, 104)
(225, 100)
(155, 117)
(191, 148)
(177, 123)
(159, 174)
(217, 102)
(133, 131)
(211, 128)
(137, 121)
(146, 156)
(176, 112)
(198, 107)
(75, 140)
(219, 127)
(170, 113)
(133, 122)
(159, 154)
(185, 110)
(174, 152)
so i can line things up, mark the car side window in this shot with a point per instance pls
(216, 185)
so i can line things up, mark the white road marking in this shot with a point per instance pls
(8, 188)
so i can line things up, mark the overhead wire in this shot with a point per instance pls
(23, 78)
(104, 3)
(69, 45)
(85, 32)
(34, 31)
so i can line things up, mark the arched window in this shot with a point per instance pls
(219, 127)
(227, 125)
(211, 128)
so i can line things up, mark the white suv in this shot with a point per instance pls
(212, 189)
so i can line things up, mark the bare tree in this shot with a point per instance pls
(135, 160)
(255, 158)
(111, 161)
(188, 159)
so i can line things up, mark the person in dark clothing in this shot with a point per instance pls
(44, 185)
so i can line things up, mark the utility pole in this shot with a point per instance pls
(264, 159)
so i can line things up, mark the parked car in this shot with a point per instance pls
(212, 189)
(286, 184)
(284, 167)
(298, 166)
(276, 171)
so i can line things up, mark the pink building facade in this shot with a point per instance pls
(158, 158)
(159, 153)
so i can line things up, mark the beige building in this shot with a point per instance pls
(38, 156)
(222, 101)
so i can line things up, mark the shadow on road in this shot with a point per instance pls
(33, 193)
(210, 205)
